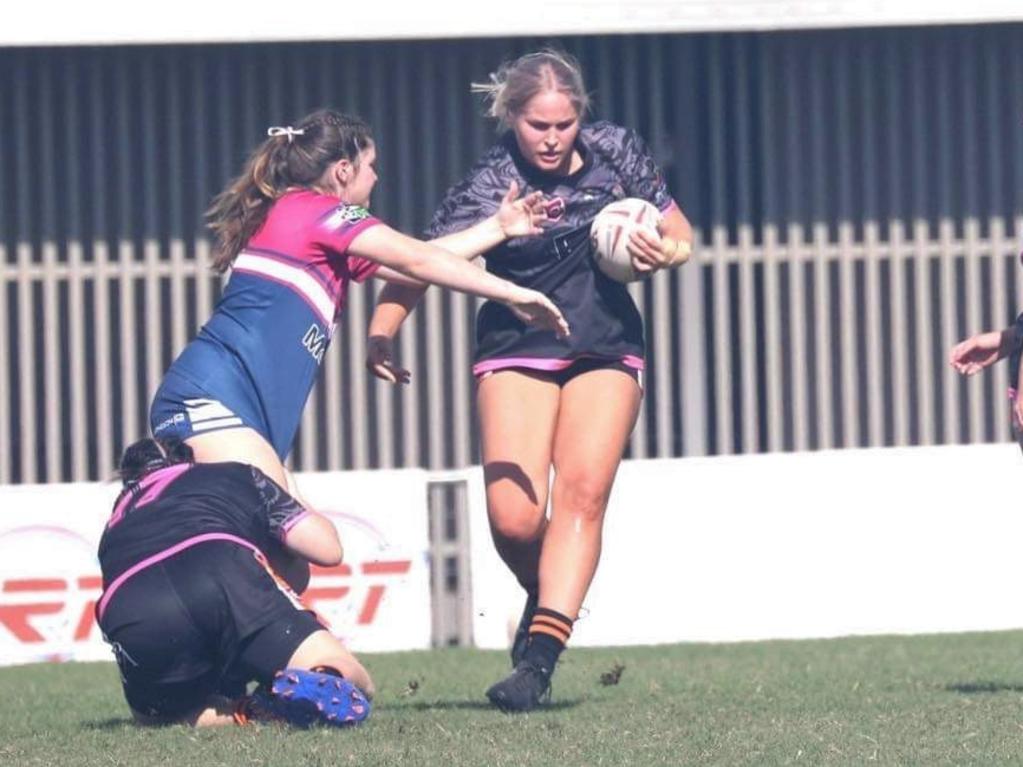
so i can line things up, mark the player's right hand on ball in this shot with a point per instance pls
(534, 308)
(644, 247)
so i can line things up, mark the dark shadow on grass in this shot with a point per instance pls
(983, 688)
(109, 724)
(482, 705)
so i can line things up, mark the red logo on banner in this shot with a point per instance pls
(50, 586)
(324, 586)
(53, 593)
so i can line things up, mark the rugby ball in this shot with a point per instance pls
(610, 232)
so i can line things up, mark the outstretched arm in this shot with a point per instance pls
(428, 263)
(515, 218)
(979, 351)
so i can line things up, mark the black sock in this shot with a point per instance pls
(548, 634)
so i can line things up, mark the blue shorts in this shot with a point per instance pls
(183, 409)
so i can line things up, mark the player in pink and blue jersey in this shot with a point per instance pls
(257, 357)
(296, 230)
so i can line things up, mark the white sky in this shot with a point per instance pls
(61, 22)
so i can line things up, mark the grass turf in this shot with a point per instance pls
(952, 699)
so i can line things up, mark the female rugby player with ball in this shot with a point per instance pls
(567, 403)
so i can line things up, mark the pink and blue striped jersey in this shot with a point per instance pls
(260, 351)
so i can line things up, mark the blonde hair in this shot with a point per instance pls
(516, 82)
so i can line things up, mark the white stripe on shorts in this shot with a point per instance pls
(209, 414)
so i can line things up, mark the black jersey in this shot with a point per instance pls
(602, 316)
(185, 504)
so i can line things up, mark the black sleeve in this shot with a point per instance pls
(280, 510)
(643, 176)
(1017, 335)
(475, 197)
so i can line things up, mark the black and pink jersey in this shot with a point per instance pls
(604, 320)
(183, 505)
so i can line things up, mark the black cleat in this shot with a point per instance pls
(524, 689)
(518, 648)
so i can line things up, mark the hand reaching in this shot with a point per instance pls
(536, 309)
(380, 361)
(974, 354)
(521, 216)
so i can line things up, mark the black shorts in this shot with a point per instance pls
(205, 621)
(577, 368)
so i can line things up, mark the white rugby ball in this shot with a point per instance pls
(610, 232)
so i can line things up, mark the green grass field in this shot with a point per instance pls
(953, 699)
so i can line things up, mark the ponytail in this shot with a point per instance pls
(288, 158)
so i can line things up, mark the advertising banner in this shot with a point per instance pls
(832, 543)
(377, 600)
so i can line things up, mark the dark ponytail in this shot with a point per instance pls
(291, 157)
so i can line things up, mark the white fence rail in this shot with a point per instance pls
(801, 339)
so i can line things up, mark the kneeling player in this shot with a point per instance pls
(194, 609)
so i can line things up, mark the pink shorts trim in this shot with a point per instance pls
(166, 554)
(546, 363)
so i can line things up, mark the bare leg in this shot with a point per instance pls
(243, 445)
(322, 648)
(517, 416)
(598, 412)
(216, 712)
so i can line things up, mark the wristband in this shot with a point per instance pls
(681, 253)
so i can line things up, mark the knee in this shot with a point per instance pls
(582, 498)
(518, 523)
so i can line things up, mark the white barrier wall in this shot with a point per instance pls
(707, 549)
(378, 600)
(822, 544)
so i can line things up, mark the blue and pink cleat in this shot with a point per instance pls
(305, 698)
